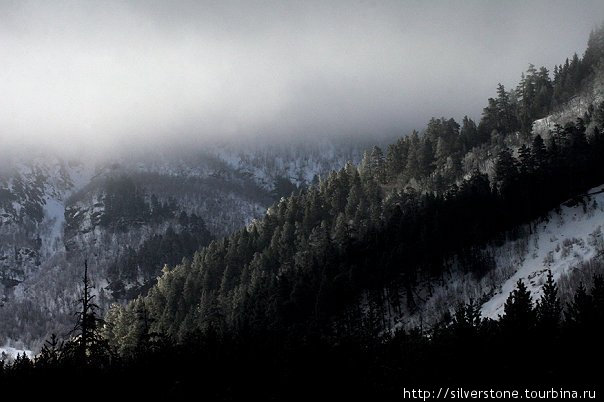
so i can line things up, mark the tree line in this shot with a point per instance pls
(534, 342)
(301, 297)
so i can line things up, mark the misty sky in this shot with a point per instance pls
(96, 73)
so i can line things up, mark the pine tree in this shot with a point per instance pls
(412, 170)
(519, 314)
(548, 306)
(525, 93)
(505, 114)
(539, 152)
(426, 157)
(443, 151)
(544, 92)
(489, 120)
(526, 160)
(378, 168)
(468, 134)
(505, 170)
(580, 311)
(88, 346)
(22, 365)
(50, 355)
(466, 319)
(341, 234)
(396, 158)
(366, 167)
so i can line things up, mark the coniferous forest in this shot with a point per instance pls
(299, 304)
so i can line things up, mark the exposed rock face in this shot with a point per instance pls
(56, 213)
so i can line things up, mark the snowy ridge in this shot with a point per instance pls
(560, 244)
(570, 236)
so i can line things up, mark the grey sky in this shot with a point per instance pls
(96, 73)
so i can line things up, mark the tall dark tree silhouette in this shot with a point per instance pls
(580, 311)
(519, 312)
(88, 346)
(51, 354)
(548, 306)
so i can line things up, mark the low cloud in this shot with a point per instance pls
(80, 75)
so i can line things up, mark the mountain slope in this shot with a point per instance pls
(562, 242)
(129, 217)
(353, 251)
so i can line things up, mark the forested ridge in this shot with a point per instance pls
(373, 229)
(300, 299)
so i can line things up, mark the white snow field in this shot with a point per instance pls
(558, 244)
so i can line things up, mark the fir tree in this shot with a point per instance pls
(505, 171)
(548, 306)
(467, 319)
(519, 314)
(88, 346)
(539, 152)
(580, 311)
(505, 114)
(51, 353)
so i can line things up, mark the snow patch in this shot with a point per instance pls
(10, 353)
(559, 244)
(54, 212)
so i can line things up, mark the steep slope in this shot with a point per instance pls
(372, 242)
(128, 217)
(33, 195)
(560, 243)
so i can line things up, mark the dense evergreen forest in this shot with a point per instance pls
(536, 343)
(298, 302)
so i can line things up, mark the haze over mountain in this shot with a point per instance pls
(227, 200)
(83, 76)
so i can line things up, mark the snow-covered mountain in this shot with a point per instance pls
(55, 213)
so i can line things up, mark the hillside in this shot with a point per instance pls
(356, 246)
(465, 254)
(562, 241)
(129, 217)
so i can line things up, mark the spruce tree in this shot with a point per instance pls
(580, 311)
(506, 171)
(539, 152)
(426, 158)
(88, 348)
(466, 319)
(468, 134)
(526, 160)
(378, 168)
(519, 314)
(548, 306)
(50, 355)
(412, 169)
(505, 114)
